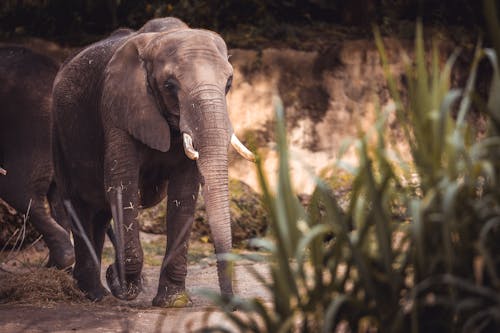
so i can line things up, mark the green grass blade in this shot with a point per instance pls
(332, 314)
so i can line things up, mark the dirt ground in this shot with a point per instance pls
(112, 315)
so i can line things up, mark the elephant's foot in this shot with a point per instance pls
(173, 298)
(61, 257)
(128, 292)
(51, 264)
(97, 295)
(94, 294)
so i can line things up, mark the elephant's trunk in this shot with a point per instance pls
(211, 141)
(216, 195)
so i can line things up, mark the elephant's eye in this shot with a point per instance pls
(170, 85)
(229, 83)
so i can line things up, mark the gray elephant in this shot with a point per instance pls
(144, 114)
(25, 147)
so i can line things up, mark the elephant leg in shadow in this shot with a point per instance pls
(87, 271)
(182, 196)
(55, 236)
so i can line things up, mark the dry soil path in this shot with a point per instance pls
(112, 315)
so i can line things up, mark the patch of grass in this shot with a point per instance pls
(108, 255)
(154, 250)
(154, 247)
(199, 251)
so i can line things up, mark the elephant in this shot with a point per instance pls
(140, 116)
(26, 148)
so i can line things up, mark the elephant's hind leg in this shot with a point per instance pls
(61, 254)
(57, 207)
(87, 271)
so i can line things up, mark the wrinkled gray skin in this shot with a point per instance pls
(25, 147)
(120, 108)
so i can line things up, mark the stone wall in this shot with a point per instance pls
(329, 97)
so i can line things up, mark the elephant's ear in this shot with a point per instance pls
(128, 102)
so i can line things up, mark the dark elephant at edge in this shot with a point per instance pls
(144, 114)
(25, 147)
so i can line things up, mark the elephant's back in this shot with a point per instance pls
(25, 147)
(78, 85)
(84, 69)
(26, 87)
(77, 89)
(78, 133)
(24, 61)
(25, 96)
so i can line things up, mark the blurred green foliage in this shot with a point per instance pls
(359, 269)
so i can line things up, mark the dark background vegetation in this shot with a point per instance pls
(78, 22)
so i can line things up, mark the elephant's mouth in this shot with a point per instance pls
(173, 121)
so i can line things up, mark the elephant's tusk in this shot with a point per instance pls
(3, 171)
(240, 148)
(191, 153)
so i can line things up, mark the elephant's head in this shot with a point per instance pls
(177, 81)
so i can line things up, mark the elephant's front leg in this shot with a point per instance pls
(182, 194)
(121, 182)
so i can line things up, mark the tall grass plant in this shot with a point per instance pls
(402, 255)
